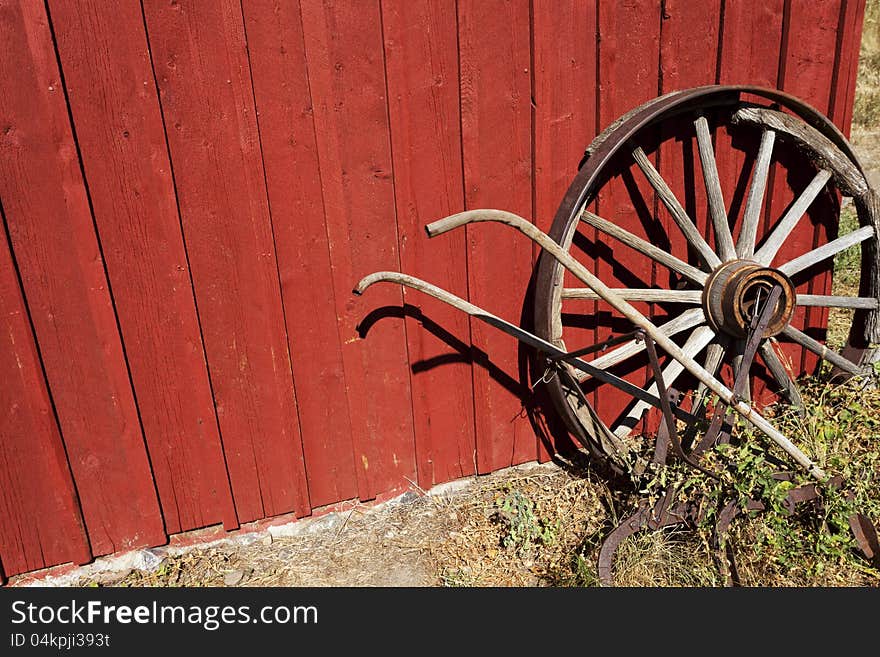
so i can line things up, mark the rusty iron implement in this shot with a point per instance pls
(726, 305)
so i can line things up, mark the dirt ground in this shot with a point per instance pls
(453, 536)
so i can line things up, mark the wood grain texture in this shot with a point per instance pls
(347, 79)
(690, 39)
(421, 60)
(201, 66)
(564, 86)
(309, 142)
(494, 49)
(42, 525)
(807, 71)
(293, 178)
(749, 53)
(846, 64)
(629, 75)
(65, 285)
(115, 107)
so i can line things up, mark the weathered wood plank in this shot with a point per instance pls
(65, 285)
(628, 75)
(494, 50)
(749, 53)
(827, 250)
(42, 525)
(831, 301)
(421, 61)
(771, 244)
(200, 60)
(347, 79)
(565, 48)
(690, 43)
(293, 178)
(807, 71)
(114, 103)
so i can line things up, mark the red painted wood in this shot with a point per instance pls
(115, 107)
(751, 37)
(42, 525)
(565, 36)
(847, 63)
(565, 45)
(62, 272)
(373, 119)
(629, 55)
(422, 71)
(495, 91)
(346, 76)
(200, 60)
(808, 73)
(689, 41)
(293, 178)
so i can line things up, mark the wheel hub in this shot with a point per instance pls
(736, 291)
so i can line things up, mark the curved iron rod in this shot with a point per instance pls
(637, 318)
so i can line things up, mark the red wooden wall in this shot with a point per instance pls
(190, 190)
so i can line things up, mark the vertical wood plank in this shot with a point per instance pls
(751, 41)
(629, 56)
(846, 64)
(809, 73)
(293, 179)
(421, 52)
(564, 44)
(565, 36)
(200, 61)
(42, 525)
(118, 124)
(689, 42)
(62, 271)
(347, 79)
(494, 50)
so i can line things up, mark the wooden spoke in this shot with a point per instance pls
(698, 340)
(723, 238)
(831, 301)
(645, 247)
(745, 246)
(687, 320)
(714, 357)
(645, 294)
(781, 374)
(828, 250)
(820, 350)
(679, 215)
(786, 225)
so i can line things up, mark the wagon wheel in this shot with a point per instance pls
(710, 263)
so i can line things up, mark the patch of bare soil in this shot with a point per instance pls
(518, 527)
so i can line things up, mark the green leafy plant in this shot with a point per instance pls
(524, 529)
